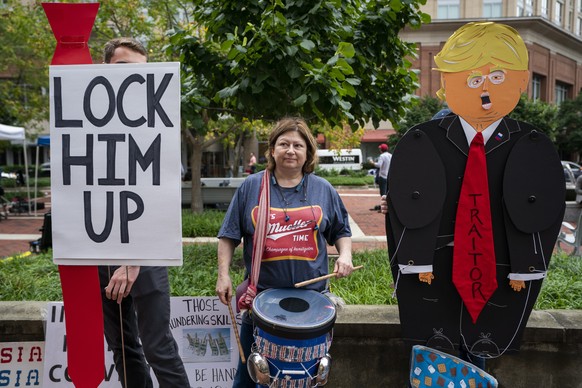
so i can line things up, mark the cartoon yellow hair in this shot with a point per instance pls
(478, 44)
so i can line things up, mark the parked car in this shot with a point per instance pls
(575, 168)
(570, 183)
(8, 175)
(45, 169)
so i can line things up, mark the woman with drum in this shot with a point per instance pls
(285, 217)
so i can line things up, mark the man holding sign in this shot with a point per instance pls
(116, 161)
(140, 295)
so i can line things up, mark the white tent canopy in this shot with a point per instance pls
(8, 132)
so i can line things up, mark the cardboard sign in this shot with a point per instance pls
(21, 364)
(201, 327)
(115, 161)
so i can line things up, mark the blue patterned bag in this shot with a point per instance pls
(432, 368)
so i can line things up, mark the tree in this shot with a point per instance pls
(330, 61)
(540, 114)
(25, 44)
(569, 128)
(420, 110)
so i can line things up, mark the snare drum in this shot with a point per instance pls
(293, 331)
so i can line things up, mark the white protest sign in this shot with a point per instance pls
(115, 164)
(21, 364)
(203, 330)
(55, 372)
(201, 327)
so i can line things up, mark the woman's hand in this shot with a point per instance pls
(343, 265)
(224, 288)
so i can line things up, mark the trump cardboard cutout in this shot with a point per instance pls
(475, 204)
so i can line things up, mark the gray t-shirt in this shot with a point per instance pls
(303, 220)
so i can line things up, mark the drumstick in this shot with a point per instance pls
(236, 335)
(315, 280)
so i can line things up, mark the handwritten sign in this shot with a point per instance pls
(201, 327)
(115, 161)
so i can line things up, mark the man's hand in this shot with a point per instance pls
(121, 282)
(517, 285)
(384, 204)
(426, 277)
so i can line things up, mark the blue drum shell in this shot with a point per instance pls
(293, 313)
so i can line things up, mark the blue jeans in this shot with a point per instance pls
(383, 185)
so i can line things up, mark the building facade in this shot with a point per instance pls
(551, 30)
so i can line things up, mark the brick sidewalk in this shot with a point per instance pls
(18, 230)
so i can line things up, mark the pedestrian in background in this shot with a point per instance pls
(252, 163)
(383, 164)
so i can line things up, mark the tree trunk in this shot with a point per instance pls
(237, 156)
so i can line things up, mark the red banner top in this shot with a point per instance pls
(71, 25)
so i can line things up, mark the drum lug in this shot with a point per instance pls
(258, 368)
(323, 371)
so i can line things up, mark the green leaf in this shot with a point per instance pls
(346, 49)
(333, 60)
(396, 5)
(291, 50)
(294, 71)
(344, 104)
(425, 18)
(302, 99)
(345, 66)
(354, 81)
(227, 92)
(349, 89)
(337, 74)
(226, 45)
(307, 44)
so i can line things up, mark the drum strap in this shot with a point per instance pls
(261, 228)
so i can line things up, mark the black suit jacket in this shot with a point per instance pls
(527, 191)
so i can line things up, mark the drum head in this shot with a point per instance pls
(293, 313)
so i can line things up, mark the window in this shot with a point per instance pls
(448, 9)
(579, 5)
(562, 92)
(525, 8)
(536, 87)
(579, 26)
(544, 8)
(559, 9)
(492, 8)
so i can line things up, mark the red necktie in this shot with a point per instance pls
(72, 25)
(474, 253)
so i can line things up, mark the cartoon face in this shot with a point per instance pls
(484, 95)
